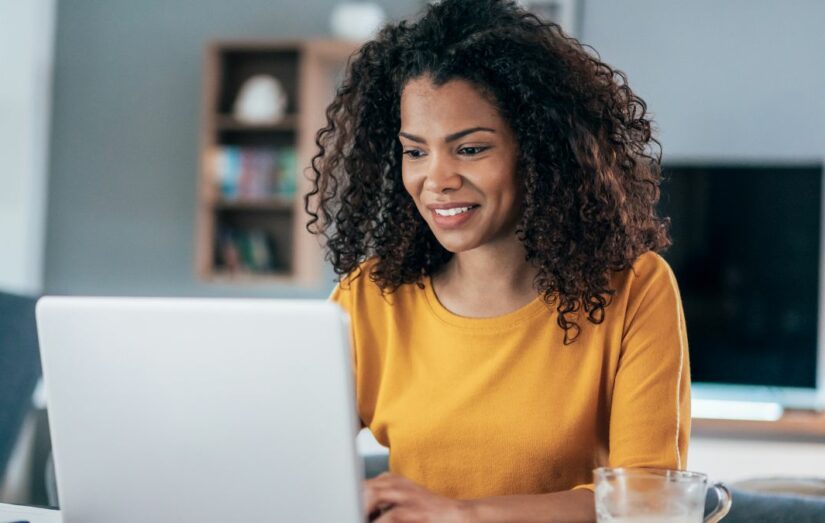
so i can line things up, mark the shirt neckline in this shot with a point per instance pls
(501, 322)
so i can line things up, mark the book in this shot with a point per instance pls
(255, 173)
(245, 250)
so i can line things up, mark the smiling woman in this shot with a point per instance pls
(486, 190)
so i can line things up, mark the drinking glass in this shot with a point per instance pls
(649, 495)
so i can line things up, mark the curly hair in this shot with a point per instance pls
(591, 168)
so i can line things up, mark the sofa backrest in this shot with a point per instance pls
(19, 367)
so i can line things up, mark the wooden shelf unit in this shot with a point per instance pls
(228, 123)
(310, 71)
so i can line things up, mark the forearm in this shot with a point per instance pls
(569, 506)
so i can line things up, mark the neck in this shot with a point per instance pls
(471, 280)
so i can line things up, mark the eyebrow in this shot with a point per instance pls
(449, 137)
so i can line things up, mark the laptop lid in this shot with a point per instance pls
(208, 410)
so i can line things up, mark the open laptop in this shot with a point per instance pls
(207, 410)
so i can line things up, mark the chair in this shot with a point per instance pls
(759, 507)
(19, 368)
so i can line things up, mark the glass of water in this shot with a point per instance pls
(648, 495)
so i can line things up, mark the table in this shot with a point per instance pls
(31, 514)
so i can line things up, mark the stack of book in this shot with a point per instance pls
(246, 250)
(255, 173)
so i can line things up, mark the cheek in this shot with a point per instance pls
(412, 184)
(502, 182)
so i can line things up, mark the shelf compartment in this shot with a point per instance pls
(226, 122)
(279, 204)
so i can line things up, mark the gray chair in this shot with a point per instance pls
(19, 368)
(757, 507)
(375, 464)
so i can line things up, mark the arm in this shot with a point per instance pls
(650, 407)
(565, 506)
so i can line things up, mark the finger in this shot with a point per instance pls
(374, 515)
(390, 516)
(379, 494)
(388, 479)
(399, 515)
(384, 477)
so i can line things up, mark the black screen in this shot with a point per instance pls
(746, 256)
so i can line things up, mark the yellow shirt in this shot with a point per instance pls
(477, 407)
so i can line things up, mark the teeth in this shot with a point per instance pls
(452, 212)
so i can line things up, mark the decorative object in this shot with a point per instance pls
(357, 21)
(566, 13)
(261, 100)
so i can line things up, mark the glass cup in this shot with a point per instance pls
(648, 495)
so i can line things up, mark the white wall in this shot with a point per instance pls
(26, 42)
(731, 459)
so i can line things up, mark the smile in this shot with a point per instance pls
(453, 218)
(453, 211)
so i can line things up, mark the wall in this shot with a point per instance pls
(725, 80)
(125, 140)
(26, 40)
(734, 459)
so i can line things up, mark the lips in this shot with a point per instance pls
(451, 205)
(455, 221)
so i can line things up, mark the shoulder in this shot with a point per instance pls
(649, 268)
(649, 282)
(357, 286)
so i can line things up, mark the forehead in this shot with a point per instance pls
(457, 102)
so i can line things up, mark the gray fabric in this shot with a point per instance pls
(375, 465)
(19, 367)
(752, 507)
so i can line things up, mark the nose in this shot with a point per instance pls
(443, 176)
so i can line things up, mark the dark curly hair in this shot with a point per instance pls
(590, 166)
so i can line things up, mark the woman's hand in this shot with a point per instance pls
(390, 498)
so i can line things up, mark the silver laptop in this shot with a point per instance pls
(207, 410)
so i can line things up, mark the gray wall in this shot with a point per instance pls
(124, 154)
(725, 80)
(732, 79)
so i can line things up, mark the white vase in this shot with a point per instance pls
(261, 99)
(358, 21)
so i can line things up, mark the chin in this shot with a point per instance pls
(455, 245)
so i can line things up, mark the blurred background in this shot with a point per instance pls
(156, 148)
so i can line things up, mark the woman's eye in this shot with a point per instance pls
(473, 150)
(413, 153)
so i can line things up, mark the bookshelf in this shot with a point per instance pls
(250, 222)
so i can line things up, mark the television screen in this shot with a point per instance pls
(746, 255)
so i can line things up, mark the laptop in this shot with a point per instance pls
(207, 410)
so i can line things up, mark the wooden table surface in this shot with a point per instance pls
(799, 425)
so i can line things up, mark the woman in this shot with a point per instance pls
(486, 190)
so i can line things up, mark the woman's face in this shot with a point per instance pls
(459, 164)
